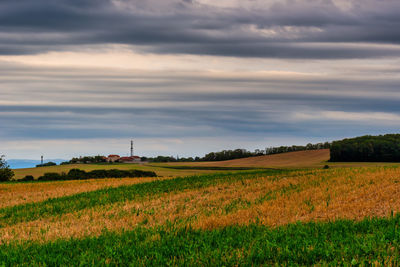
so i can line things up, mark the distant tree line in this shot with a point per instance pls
(240, 153)
(169, 159)
(382, 148)
(77, 174)
(284, 149)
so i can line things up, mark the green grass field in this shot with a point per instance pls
(371, 241)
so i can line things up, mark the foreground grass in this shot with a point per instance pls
(343, 242)
(87, 200)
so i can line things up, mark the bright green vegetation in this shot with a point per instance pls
(342, 242)
(63, 205)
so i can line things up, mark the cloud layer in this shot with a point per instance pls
(306, 29)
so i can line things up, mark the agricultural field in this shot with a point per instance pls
(290, 160)
(224, 217)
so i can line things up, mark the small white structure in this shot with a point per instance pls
(113, 158)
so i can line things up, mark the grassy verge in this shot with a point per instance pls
(63, 205)
(371, 241)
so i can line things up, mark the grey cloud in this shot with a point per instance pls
(295, 28)
(31, 107)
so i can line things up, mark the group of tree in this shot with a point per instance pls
(77, 174)
(284, 149)
(382, 148)
(5, 172)
(169, 159)
(47, 164)
(86, 160)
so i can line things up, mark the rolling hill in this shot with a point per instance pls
(298, 159)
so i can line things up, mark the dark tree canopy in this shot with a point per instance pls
(5, 172)
(382, 148)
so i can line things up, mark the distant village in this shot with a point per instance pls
(112, 158)
(116, 158)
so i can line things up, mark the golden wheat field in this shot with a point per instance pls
(303, 195)
(21, 193)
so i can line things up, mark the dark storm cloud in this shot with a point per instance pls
(84, 106)
(287, 29)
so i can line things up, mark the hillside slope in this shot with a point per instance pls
(308, 158)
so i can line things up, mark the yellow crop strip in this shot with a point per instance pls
(21, 193)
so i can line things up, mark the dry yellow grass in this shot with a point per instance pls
(313, 195)
(342, 193)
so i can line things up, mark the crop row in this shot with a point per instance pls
(102, 197)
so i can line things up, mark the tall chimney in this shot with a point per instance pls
(131, 148)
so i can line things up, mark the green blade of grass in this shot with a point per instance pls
(343, 242)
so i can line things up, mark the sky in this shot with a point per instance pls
(187, 77)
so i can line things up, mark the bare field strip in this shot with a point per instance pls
(318, 195)
(12, 194)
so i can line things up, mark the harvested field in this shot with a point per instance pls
(21, 193)
(256, 205)
(299, 159)
(271, 200)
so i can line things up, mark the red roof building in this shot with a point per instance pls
(132, 159)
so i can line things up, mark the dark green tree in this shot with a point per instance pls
(383, 148)
(5, 172)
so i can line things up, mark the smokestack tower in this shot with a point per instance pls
(131, 148)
